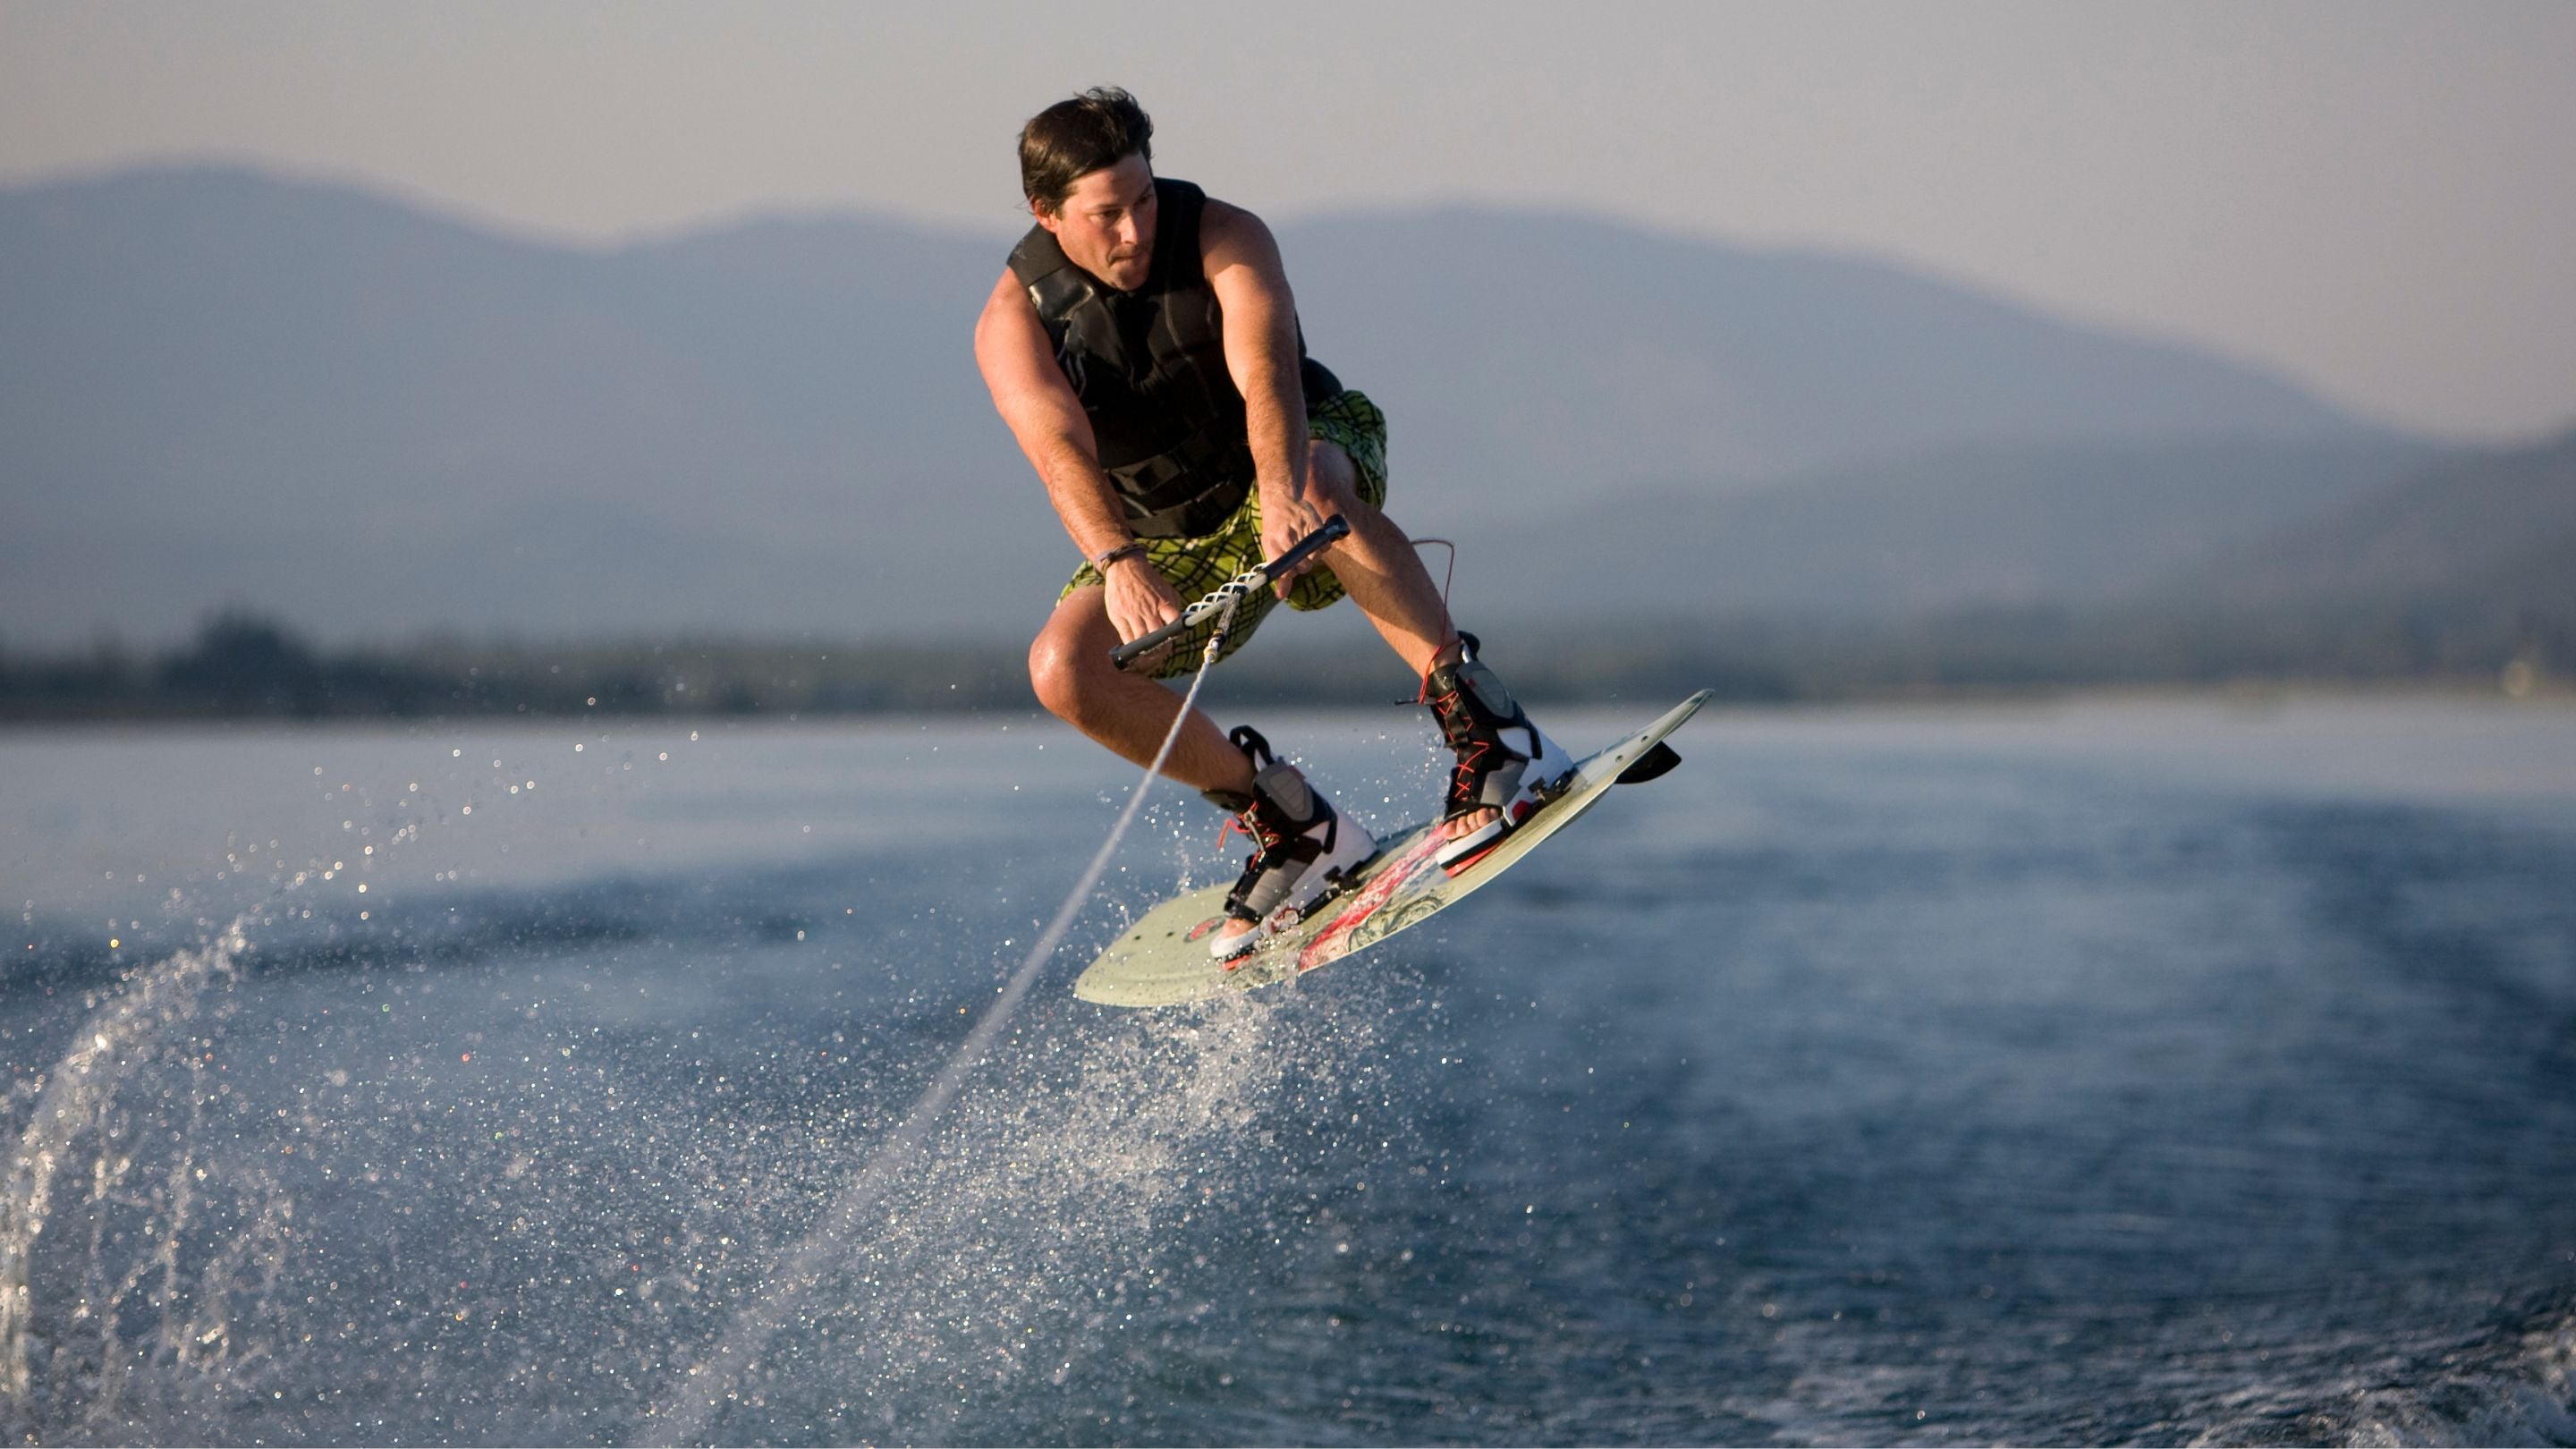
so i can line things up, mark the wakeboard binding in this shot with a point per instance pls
(1504, 762)
(1305, 850)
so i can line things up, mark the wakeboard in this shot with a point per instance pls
(1163, 960)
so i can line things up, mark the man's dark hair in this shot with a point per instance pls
(1071, 139)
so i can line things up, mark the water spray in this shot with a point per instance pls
(705, 1389)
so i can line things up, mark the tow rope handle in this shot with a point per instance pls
(1334, 529)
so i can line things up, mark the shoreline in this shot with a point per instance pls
(2540, 696)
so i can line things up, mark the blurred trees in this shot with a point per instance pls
(242, 666)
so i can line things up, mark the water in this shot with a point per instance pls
(2116, 1072)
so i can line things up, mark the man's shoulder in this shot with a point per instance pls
(1219, 213)
(1226, 227)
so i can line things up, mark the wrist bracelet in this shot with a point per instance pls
(1129, 549)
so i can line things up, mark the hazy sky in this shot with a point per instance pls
(2378, 200)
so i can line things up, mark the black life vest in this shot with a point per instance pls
(1149, 369)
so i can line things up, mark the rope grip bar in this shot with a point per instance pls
(1233, 590)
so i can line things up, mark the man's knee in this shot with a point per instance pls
(1056, 673)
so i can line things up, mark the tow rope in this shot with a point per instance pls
(707, 1387)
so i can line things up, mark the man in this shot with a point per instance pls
(1144, 349)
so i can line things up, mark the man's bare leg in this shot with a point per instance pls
(1069, 665)
(1377, 566)
(1385, 576)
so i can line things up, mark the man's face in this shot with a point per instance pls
(1106, 224)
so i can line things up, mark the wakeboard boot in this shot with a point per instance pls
(1306, 851)
(1504, 762)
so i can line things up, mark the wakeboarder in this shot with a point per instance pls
(1143, 346)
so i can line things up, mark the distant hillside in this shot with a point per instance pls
(1981, 526)
(218, 387)
(1530, 359)
(2490, 536)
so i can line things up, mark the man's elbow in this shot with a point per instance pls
(984, 344)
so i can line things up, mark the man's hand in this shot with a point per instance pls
(1140, 599)
(1288, 514)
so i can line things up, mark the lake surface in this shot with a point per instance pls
(2119, 1071)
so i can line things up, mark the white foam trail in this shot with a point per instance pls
(705, 1388)
(112, 1045)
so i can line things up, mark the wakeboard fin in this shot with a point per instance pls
(1657, 761)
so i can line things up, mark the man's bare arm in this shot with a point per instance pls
(1243, 267)
(1030, 393)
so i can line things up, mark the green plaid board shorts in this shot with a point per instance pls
(1196, 566)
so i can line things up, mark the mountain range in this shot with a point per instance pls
(219, 387)
(2489, 536)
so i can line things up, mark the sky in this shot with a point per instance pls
(2376, 200)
